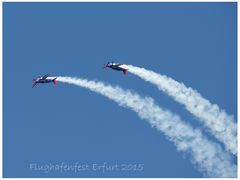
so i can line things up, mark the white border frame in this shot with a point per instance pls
(1, 66)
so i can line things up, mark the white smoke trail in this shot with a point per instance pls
(209, 156)
(220, 124)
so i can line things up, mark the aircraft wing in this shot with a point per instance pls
(34, 84)
(45, 76)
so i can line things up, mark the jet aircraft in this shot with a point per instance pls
(43, 79)
(115, 66)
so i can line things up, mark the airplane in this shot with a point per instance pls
(115, 66)
(43, 79)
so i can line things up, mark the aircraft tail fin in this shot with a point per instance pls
(55, 81)
(125, 72)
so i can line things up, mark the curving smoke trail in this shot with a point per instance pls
(220, 124)
(209, 156)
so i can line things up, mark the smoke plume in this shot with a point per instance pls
(208, 156)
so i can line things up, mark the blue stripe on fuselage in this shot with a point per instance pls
(45, 81)
(117, 68)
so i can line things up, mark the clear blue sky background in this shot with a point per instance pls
(195, 43)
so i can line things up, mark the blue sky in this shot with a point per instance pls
(194, 43)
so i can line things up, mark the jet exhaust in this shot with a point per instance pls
(217, 121)
(208, 156)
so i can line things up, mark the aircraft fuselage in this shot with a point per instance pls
(44, 81)
(115, 67)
